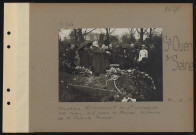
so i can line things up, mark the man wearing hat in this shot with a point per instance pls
(143, 53)
(84, 54)
(132, 55)
(71, 55)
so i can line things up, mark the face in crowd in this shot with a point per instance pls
(72, 46)
(132, 45)
(143, 47)
(103, 47)
(151, 46)
(95, 43)
(110, 46)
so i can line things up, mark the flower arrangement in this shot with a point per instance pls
(83, 71)
(124, 85)
(133, 74)
(138, 85)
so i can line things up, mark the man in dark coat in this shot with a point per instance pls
(119, 56)
(71, 55)
(111, 55)
(125, 59)
(90, 53)
(84, 57)
(132, 55)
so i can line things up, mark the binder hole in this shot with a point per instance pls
(8, 90)
(8, 103)
(8, 46)
(8, 32)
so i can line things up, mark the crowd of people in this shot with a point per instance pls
(99, 58)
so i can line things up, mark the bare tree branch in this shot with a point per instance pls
(134, 32)
(153, 29)
(89, 32)
(101, 30)
(147, 34)
(85, 30)
(130, 30)
(145, 30)
(138, 31)
(112, 31)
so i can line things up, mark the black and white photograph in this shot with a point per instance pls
(110, 65)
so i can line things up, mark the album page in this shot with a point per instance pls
(106, 68)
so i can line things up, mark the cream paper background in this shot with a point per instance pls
(16, 68)
(44, 21)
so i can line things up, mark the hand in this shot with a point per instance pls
(108, 52)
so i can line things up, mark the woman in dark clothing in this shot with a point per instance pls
(99, 59)
(84, 57)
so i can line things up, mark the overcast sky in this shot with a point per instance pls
(118, 31)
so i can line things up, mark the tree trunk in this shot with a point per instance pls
(130, 37)
(81, 37)
(75, 35)
(107, 37)
(150, 36)
(141, 35)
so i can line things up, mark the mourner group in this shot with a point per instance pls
(100, 57)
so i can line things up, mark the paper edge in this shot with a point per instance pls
(16, 115)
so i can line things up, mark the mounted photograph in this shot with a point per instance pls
(110, 65)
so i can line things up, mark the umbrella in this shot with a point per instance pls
(83, 44)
